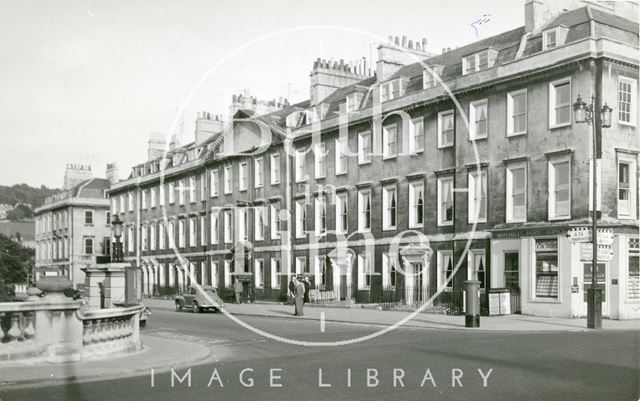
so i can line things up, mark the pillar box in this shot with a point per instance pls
(472, 303)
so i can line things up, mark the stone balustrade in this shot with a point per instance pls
(108, 331)
(55, 329)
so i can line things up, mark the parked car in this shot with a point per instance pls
(199, 301)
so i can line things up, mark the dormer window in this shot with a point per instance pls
(390, 90)
(428, 79)
(429, 76)
(312, 115)
(479, 61)
(353, 101)
(549, 39)
(554, 37)
(292, 119)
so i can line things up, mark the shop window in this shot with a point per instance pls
(546, 279)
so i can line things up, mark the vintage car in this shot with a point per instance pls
(199, 301)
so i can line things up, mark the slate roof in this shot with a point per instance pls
(578, 22)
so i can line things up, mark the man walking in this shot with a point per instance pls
(237, 289)
(292, 290)
(299, 296)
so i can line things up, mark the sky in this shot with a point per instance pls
(88, 81)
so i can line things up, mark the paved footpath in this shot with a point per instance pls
(359, 315)
(158, 352)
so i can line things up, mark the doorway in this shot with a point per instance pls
(602, 278)
(415, 284)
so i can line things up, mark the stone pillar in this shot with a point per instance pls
(112, 278)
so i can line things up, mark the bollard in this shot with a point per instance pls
(472, 303)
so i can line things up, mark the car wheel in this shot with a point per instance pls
(178, 307)
(196, 308)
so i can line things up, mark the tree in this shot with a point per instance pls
(14, 261)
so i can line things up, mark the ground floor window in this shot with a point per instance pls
(275, 273)
(388, 271)
(259, 270)
(476, 267)
(633, 280)
(546, 279)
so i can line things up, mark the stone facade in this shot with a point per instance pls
(72, 229)
(482, 170)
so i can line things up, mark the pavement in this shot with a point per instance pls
(157, 353)
(368, 316)
(162, 349)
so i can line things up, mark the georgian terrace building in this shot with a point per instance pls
(491, 178)
(72, 228)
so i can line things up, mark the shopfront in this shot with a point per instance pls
(553, 271)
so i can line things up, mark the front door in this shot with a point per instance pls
(602, 279)
(414, 287)
(342, 281)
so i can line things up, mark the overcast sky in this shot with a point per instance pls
(87, 81)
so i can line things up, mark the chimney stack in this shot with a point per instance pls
(112, 173)
(397, 53)
(327, 76)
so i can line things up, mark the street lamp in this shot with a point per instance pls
(586, 113)
(116, 228)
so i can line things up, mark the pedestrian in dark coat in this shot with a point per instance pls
(292, 290)
(299, 298)
(307, 285)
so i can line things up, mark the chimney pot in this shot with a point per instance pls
(410, 44)
(397, 41)
(404, 41)
(424, 43)
(390, 39)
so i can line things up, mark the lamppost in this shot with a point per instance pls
(116, 228)
(586, 113)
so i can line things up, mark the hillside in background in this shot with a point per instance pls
(23, 193)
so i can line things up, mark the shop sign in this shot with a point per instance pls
(499, 303)
(605, 253)
(583, 234)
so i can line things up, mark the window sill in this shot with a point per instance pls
(477, 222)
(516, 134)
(558, 218)
(515, 221)
(390, 157)
(341, 173)
(445, 224)
(416, 152)
(627, 124)
(445, 146)
(554, 126)
(416, 225)
(275, 183)
(545, 301)
(394, 228)
(363, 163)
(484, 138)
